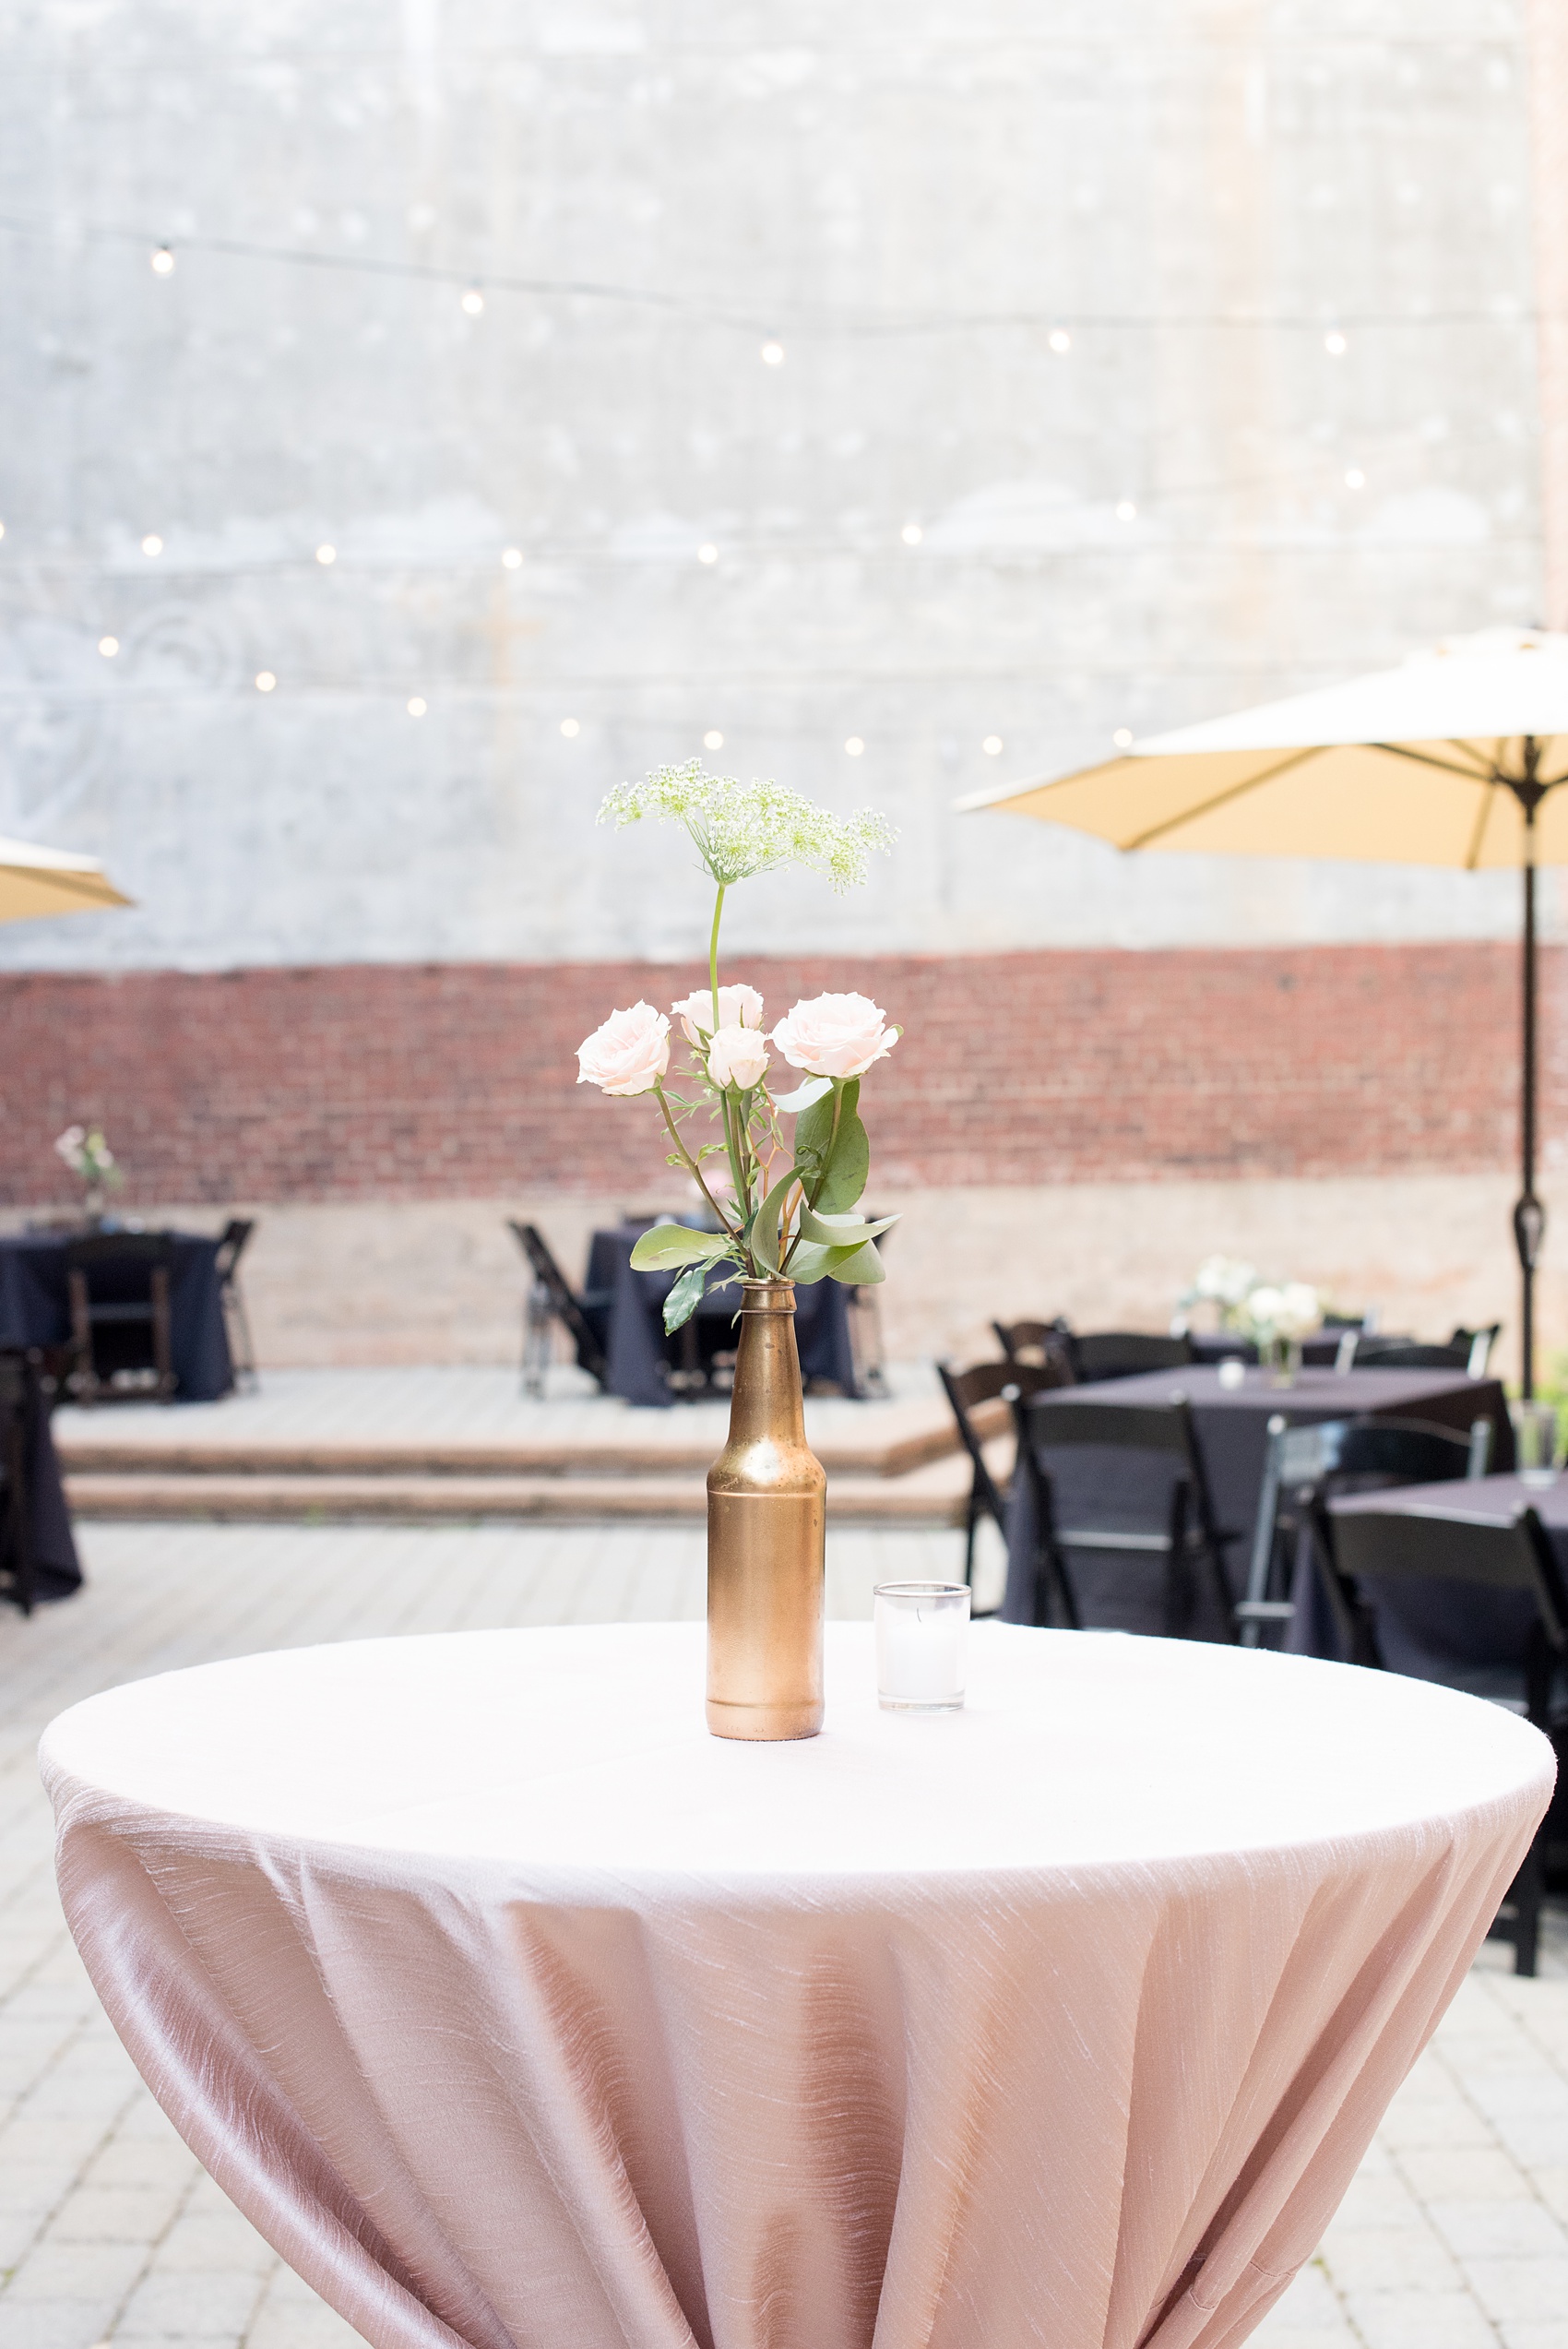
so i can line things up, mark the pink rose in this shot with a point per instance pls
(737, 1055)
(738, 1007)
(833, 1036)
(629, 1054)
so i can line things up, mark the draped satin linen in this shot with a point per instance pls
(520, 2014)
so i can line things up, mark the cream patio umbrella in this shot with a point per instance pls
(51, 881)
(1454, 757)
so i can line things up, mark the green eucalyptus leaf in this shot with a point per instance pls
(849, 1168)
(857, 1268)
(841, 1231)
(668, 1244)
(762, 1232)
(685, 1296)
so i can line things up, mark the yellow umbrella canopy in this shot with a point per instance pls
(51, 881)
(1454, 757)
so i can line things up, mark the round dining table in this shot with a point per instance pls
(518, 2012)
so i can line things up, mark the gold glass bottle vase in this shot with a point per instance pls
(767, 1521)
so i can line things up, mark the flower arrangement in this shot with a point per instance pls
(1224, 1282)
(89, 1157)
(783, 1207)
(1291, 1310)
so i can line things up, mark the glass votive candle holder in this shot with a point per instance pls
(1534, 1442)
(921, 1635)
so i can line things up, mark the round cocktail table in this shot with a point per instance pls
(517, 2011)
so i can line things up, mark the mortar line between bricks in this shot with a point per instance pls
(1409, 2183)
(1457, 2081)
(154, 2245)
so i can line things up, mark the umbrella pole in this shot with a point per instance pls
(1529, 1216)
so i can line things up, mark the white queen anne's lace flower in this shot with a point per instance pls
(741, 830)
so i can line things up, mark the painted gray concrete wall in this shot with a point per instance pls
(911, 198)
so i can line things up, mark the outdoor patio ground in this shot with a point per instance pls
(1454, 2233)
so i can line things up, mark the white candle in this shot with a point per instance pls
(922, 1629)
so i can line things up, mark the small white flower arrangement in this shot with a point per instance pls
(789, 1209)
(88, 1156)
(1291, 1310)
(1224, 1282)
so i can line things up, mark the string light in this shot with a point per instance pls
(713, 739)
(1059, 340)
(512, 557)
(773, 354)
(1336, 344)
(162, 262)
(473, 300)
(265, 681)
(1126, 511)
(417, 706)
(570, 728)
(152, 543)
(109, 647)
(1355, 478)
(2, 529)
(325, 555)
(707, 553)
(911, 534)
(992, 746)
(854, 745)
(1122, 738)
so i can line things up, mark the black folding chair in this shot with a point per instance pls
(236, 1322)
(1184, 1536)
(18, 1399)
(1306, 1466)
(551, 1299)
(1358, 1547)
(118, 1286)
(966, 1390)
(1035, 1343)
(1478, 1344)
(1124, 1353)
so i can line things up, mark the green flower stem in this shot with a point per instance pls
(674, 1132)
(713, 951)
(732, 1140)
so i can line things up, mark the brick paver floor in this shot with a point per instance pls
(1454, 2234)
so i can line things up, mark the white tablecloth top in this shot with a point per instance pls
(581, 1749)
(515, 2008)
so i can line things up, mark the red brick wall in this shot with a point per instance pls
(416, 1081)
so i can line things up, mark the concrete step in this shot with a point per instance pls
(933, 1496)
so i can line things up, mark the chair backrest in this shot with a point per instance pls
(231, 1245)
(1478, 1344)
(150, 1248)
(1133, 1427)
(563, 1300)
(1122, 1353)
(1395, 1451)
(987, 1382)
(1406, 1353)
(1504, 1554)
(1046, 1340)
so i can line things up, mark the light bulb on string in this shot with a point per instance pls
(1355, 478)
(265, 681)
(911, 534)
(152, 543)
(1122, 738)
(772, 354)
(417, 706)
(707, 553)
(713, 739)
(109, 647)
(570, 728)
(474, 302)
(1061, 341)
(1126, 511)
(325, 554)
(162, 262)
(512, 557)
(992, 746)
(1334, 343)
(854, 745)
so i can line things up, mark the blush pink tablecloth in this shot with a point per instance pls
(518, 2012)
